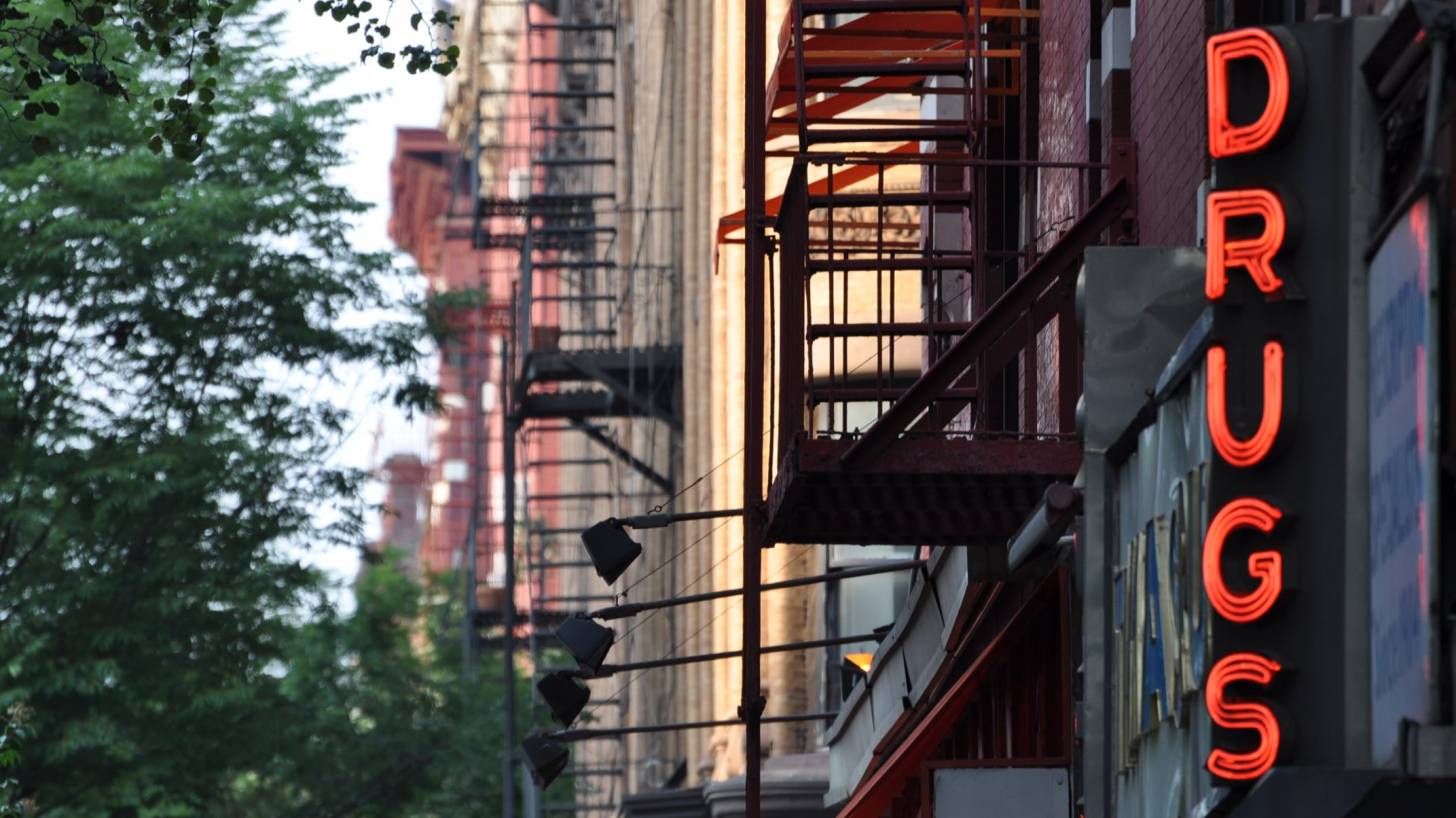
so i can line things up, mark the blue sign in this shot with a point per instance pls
(1402, 480)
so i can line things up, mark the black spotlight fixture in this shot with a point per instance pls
(564, 695)
(546, 757)
(610, 549)
(587, 641)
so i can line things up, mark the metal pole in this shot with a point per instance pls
(471, 570)
(588, 733)
(508, 605)
(673, 661)
(634, 608)
(472, 536)
(751, 710)
(663, 520)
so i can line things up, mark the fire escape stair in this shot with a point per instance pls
(906, 479)
(622, 382)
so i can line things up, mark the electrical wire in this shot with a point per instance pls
(699, 578)
(623, 593)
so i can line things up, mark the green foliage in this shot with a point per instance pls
(385, 724)
(47, 45)
(165, 324)
(10, 738)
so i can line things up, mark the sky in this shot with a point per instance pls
(403, 100)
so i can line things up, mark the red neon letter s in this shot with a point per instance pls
(1242, 667)
(1236, 452)
(1224, 137)
(1265, 566)
(1255, 255)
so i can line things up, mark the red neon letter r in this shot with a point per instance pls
(1256, 255)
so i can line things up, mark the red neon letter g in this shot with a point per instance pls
(1242, 667)
(1224, 137)
(1255, 255)
(1264, 566)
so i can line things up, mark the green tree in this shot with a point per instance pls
(384, 723)
(164, 327)
(51, 44)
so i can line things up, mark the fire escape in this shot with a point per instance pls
(928, 362)
(920, 373)
(574, 363)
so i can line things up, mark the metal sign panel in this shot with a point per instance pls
(1402, 479)
(1026, 792)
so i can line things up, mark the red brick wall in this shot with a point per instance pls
(1168, 118)
(1062, 105)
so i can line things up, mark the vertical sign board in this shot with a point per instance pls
(1402, 478)
(1277, 283)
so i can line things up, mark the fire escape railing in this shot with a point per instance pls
(989, 348)
(1005, 332)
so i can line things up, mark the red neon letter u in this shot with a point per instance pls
(1236, 452)
(1242, 667)
(1224, 137)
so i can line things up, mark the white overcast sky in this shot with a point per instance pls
(404, 99)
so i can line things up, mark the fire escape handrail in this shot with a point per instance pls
(991, 325)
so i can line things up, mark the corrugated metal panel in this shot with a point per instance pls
(1161, 626)
(902, 668)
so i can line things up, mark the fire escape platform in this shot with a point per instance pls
(926, 491)
(596, 383)
(640, 364)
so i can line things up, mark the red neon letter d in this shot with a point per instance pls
(1224, 137)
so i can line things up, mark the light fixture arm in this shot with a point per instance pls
(633, 608)
(663, 520)
(584, 734)
(673, 661)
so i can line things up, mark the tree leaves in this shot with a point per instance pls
(53, 43)
(165, 314)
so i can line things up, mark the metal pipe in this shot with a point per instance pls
(662, 520)
(569, 461)
(584, 734)
(674, 661)
(546, 566)
(1045, 524)
(1435, 98)
(634, 608)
